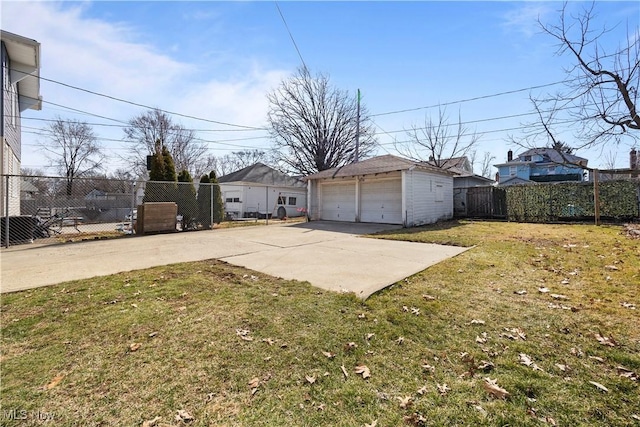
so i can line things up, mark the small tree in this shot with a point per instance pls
(162, 169)
(187, 203)
(218, 207)
(204, 201)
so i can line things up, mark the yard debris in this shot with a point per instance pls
(526, 360)
(628, 305)
(428, 367)
(54, 382)
(559, 296)
(329, 354)
(268, 341)
(350, 346)
(183, 415)
(363, 370)
(477, 322)
(400, 340)
(565, 282)
(608, 341)
(344, 371)
(369, 336)
(405, 308)
(443, 388)
(515, 334)
(520, 292)
(153, 334)
(627, 373)
(310, 379)
(492, 387)
(611, 267)
(415, 310)
(562, 367)
(254, 383)
(632, 231)
(543, 290)
(361, 316)
(151, 423)
(481, 340)
(599, 386)
(244, 334)
(428, 297)
(135, 346)
(405, 402)
(374, 423)
(422, 390)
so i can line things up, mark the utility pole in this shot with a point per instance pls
(356, 158)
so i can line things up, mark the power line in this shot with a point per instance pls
(291, 36)
(143, 105)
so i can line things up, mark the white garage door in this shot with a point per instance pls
(381, 201)
(338, 202)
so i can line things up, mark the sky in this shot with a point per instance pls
(217, 61)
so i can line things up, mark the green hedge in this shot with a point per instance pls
(572, 200)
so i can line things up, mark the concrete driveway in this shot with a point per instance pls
(328, 255)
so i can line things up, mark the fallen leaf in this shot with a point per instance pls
(428, 297)
(369, 336)
(400, 340)
(405, 308)
(135, 346)
(565, 282)
(374, 423)
(480, 340)
(422, 390)
(183, 415)
(246, 338)
(443, 388)
(543, 290)
(635, 417)
(627, 373)
(628, 305)
(526, 360)
(268, 341)
(344, 371)
(492, 387)
(153, 334)
(477, 322)
(600, 386)
(350, 346)
(134, 305)
(520, 292)
(254, 383)
(151, 423)
(562, 367)
(362, 370)
(597, 359)
(321, 407)
(328, 354)
(611, 267)
(608, 341)
(429, 368)
(415, 310)
(405, 402)
(54, 382)
(361, 316)
(559, 296)
(310, 379)
(485, 366)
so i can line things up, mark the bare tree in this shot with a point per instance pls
(73, 150)
(237, 160)
(486, 165)
(601, 89)
(438, 140)
(155, 125)
(315, 125)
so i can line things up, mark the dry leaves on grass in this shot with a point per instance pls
(374, 423)
(526, 360)
(628, 305)
(405, 402)
(310, 379)
(443, 388)
(627, 373)
(151, 423)
(183, 415)
(477, 322)
(514, 334)
(599, 386)
(244, 334)
(268, 341)
(350, 346)
(608, 341)
(329, 354)
(54, 382)
(254, 383)
(135, 346)
(492, 387)
(363, 370)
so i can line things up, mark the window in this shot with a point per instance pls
(292, 201)
(552, 170)
(439, 192)
(232, 199)
(527, 158)
(229, 199)
(513, 170)
(282, 200)
(236, 200)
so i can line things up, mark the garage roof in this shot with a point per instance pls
(261, 174)
(374, 165)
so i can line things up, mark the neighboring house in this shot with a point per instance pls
(28, 191)
(259, 191)
(541, 165)
(20, 91)
(632, 172)
(384, 189)
(96, 194)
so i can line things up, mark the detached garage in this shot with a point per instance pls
(385, 189)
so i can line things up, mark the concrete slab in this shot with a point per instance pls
(329, 255)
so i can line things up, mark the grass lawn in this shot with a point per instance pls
(536, 325)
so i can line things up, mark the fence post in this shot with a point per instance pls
(6, 209)
(596, 196)
(212, 205)
(266, 212)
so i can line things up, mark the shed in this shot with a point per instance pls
(384, 189)
(260, 191)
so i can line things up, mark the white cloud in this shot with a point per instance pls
(105, 57)
(523, 18)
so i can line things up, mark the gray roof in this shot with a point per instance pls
(262, 174)
(550, 155)
(380, 164)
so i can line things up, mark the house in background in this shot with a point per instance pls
(385, 189)
(632, 172)
(20, 91)
(464, 180)
(259, 191)
(541, 165)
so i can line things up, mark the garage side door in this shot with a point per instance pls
(381, 201)
(338, 202)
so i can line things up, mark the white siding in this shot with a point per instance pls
(262, 199)
(429, 197)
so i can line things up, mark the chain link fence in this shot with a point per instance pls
(55, 209)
